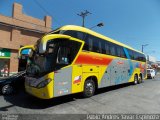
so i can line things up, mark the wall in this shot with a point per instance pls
(20, 30)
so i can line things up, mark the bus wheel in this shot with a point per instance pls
(89, 88)
(135, 79)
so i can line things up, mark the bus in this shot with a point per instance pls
(23, 56)
(74, 59)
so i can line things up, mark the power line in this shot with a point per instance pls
(45, 11)
(83, 15)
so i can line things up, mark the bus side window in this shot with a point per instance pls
(144, 58)
(135, 56)
(118, 51)
(95, 45)
(113, 50)
(103, 47)
(140, 57)
(123, 53)
(86, 44)
(90, 44)
(100, 46)
(80, 35)
(107, 47)
(131, 54)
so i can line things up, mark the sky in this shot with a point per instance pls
(132, 22)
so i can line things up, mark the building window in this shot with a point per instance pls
(4, 67)
(4, 62)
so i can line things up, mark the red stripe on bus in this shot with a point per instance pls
(93, 59)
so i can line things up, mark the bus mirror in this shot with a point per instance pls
(26, 52)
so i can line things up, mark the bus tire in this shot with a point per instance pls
(135, 80)
(89, 88)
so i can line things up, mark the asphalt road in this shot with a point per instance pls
(124, 99)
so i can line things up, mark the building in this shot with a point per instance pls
(151, 61)
(16, 31)
(158, 63)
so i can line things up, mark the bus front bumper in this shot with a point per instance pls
(42, 93)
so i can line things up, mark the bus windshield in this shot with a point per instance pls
(59, 53)
(72, 33)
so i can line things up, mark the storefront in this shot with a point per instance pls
(5, 55)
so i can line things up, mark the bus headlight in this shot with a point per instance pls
(43, 83)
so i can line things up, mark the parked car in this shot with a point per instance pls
(151, 73)
(9, 85)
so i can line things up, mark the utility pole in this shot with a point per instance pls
(144, 46)
(83, 15)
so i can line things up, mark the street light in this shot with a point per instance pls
(144, 46)
(98, 25)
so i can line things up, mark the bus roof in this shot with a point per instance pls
(86, 30)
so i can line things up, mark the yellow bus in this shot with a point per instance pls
(23, 55)
(74, 59)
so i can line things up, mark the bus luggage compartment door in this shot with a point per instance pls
(62, 82)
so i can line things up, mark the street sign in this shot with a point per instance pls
(5, 53)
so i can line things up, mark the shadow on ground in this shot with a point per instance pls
(24, 100)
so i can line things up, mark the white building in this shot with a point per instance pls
(151, 61)
(158, 62)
